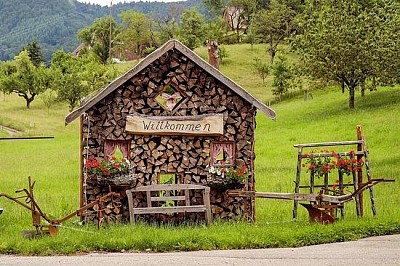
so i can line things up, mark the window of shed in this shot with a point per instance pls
(169, 98)
(222, 153)
(116, 148)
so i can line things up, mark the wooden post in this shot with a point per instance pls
(213, 53)
(342, 213)
(130, 204)
(297, 182)
(206, 199)
(81, 178)
(363, 147)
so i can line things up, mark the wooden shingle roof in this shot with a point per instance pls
(172, 44)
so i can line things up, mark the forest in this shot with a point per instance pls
(55, 23)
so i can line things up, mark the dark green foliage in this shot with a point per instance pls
(350, 41)
(22, 77)
(35, 53)
(192, 27)
(54, 23)
(98, 36)
(262, 68)
(283, 77)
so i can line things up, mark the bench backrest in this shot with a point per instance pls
(176, 196)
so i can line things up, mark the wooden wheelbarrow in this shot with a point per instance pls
(321, 207)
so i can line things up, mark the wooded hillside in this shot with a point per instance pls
(54, 23)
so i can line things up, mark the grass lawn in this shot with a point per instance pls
(54, 164)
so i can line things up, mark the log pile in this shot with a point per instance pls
(187, 156)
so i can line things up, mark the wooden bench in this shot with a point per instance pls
(162, 193)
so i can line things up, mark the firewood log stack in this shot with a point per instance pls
(187, 156)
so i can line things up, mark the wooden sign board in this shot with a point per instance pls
(200, 125)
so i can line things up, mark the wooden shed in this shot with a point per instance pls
(171, 115)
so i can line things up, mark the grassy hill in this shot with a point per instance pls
(54, 164)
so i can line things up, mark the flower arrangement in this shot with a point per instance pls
(321, 165)
(113, 167)
(232, 174)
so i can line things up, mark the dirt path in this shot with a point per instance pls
(11, 131)
(382, 250)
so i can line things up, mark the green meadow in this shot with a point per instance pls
(54, 165)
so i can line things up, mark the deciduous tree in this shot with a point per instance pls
(192, 28)
(99, 35)
(136, 32)
(349, 41)
(273, 26)
(20, 76)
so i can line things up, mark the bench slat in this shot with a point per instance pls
(167, 187)
(170, 209)
(165, 198)
(176, 209)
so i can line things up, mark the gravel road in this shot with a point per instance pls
(382, 250)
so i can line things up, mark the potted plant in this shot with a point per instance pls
(113, 172)
(227, 177)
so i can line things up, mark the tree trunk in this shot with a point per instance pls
(351, 96)
(272, 52)
(362, 85)
(28, 99)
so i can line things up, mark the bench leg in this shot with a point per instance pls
(206, 199)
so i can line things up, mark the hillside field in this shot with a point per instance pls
(54, 164)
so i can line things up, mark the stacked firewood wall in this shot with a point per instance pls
(187, 156)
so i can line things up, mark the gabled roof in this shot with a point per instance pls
(172, 44)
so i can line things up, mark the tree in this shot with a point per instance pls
(75, 77)
(272, 26)
(216, 7)
(349, 41)
(20, 76)
(242, 14)
(99, 37)
(283, 77)
(262, 68)
(192, 28)
(35, 53)
(136, 33)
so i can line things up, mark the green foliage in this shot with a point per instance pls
(54, 23)
(262, 68)
(76, 77)
(22, 77)
(98, 36)
(283, 77)
(136, 32)
(49, 98)
(223, 53)
(192, 28)
(273, 26)
(215, 29)
(35, 53)
(350, 41)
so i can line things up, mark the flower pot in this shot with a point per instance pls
(116, 180)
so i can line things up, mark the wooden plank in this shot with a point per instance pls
(166, 198)
(206, 199)
(187, 197)
(297, 181)
(176, 209)
(330, 154)
(167, 187)
(199, 125)
(368, 172)
(148, 197)
(326, 144)
(130, 204)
